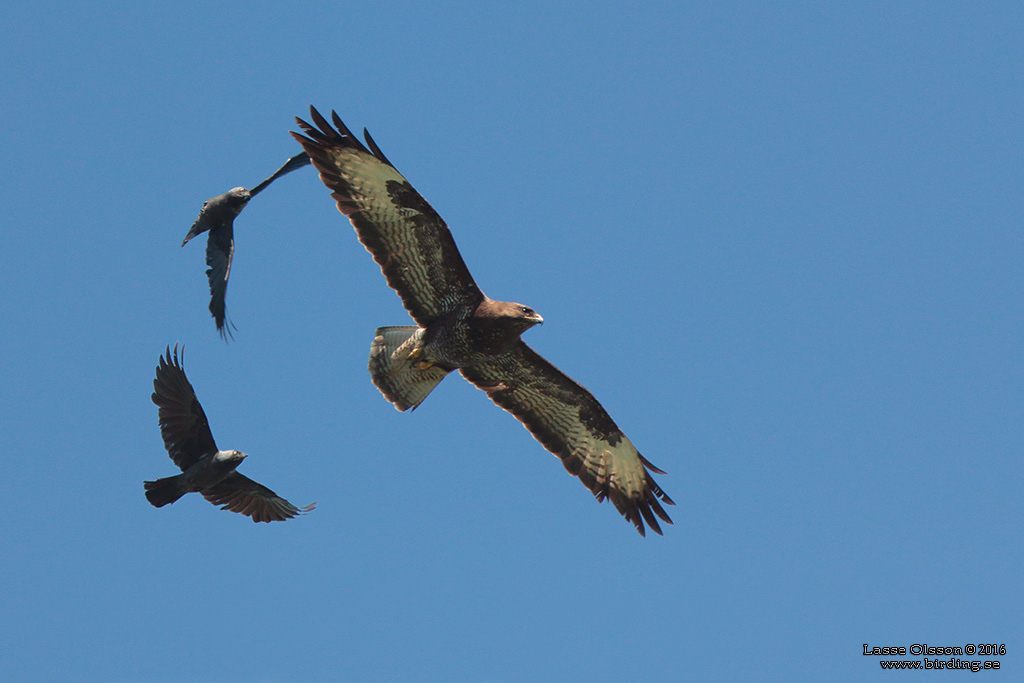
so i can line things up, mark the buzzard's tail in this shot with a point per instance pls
(164, 491)
(398, 369)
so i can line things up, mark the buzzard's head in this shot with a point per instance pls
(527, 315)
(501, 322)
(508, 314)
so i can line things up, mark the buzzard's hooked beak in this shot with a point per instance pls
(537, 320)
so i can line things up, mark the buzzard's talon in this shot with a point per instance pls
(423, 364)
(415, 355)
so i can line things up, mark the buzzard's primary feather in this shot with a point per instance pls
(460, 328)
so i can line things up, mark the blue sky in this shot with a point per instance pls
(782, 245)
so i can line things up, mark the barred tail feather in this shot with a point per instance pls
(395, 369)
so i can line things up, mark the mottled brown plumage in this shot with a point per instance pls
(458, 327)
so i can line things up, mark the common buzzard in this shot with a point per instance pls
(460, 328)
(218, 216)
(205, 468)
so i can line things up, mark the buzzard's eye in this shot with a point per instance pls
(526, 309)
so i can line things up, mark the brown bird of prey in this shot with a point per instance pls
(218, 216)
(458, 328)
(205, 468)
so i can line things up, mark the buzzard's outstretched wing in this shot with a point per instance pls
(183, 423)
(407, 238)
(238, 493)
(569, 422)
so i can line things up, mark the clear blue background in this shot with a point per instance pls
(782, 245)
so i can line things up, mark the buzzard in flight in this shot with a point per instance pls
(458, 328)
(205, 468)
(218, 216)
